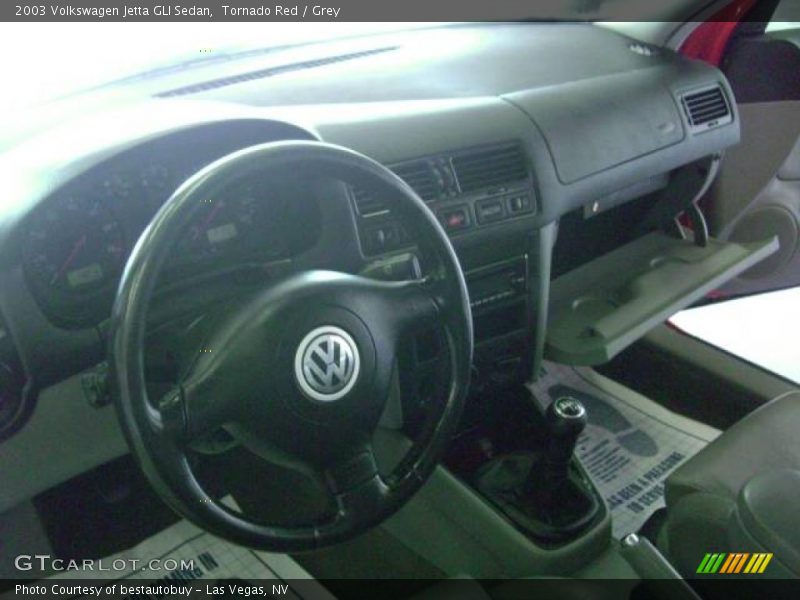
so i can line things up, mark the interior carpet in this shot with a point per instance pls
(102, 511)
(630, 445)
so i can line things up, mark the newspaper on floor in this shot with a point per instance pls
(629, 446)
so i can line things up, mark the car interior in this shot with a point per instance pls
(397, 306)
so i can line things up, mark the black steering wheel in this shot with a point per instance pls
(304, 368)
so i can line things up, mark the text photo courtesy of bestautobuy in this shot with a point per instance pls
(289, 11)
(139, 590)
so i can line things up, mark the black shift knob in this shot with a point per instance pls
(566, 419)
(557, 499)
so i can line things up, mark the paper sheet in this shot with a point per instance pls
(185, 560)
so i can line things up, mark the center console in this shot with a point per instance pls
(519, 461)
(556, 267)
(501, 316)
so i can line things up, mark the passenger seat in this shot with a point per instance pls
(739, 494)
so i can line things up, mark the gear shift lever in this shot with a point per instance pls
(553, 495)
(565, 419)
(549, 496)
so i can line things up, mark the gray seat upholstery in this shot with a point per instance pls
(768, 438)
(710, 496)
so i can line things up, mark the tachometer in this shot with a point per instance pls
(74, 246)
(156, 183)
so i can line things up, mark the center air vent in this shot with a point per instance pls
(490, 167)
(706, 108)
(421, 176)
(432, 179)
(446, 177)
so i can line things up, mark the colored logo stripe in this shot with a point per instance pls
(727, 564)
(711, 563)
(754, 562)
(740, 564)
(764, 563)
(734, 562)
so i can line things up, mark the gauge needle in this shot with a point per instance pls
(72, 256)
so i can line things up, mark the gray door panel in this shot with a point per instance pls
(757, 193)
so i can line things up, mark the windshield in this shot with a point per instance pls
(86, 55)
(46, 60)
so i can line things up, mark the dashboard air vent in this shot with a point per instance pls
(706, 108)
(366, 204)
(448, 176)
(490, 167)
(269, 72)
(420, 176)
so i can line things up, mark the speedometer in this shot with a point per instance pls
(74, 246)
(225, 222)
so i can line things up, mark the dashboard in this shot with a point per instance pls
(509, 134)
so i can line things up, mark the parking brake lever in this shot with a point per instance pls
(658, 575)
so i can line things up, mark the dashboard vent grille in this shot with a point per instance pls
(366, 204)
(706, 108)
(420, 176)
(490, 167)
(448, 176)
(269, 72)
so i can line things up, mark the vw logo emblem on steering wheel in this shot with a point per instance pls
(327, 364)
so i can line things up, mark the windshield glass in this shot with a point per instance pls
(86, 55)
(46, 60)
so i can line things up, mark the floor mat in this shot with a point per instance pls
(113, 497)
(630, 445)
(184, 559)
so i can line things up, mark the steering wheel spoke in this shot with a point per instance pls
(355, 485)
(187, 416)
(410, 306)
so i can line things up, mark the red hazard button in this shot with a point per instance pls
(455, 218)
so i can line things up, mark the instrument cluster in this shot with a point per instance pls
(76, 243)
